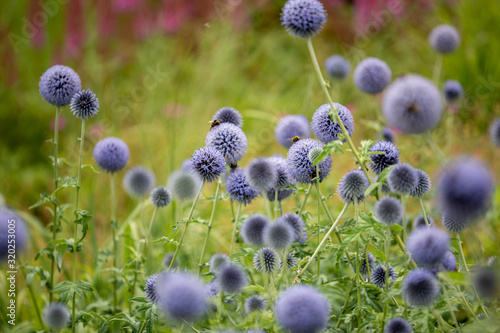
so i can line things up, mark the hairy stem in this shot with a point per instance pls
(55, 224)
(210, 223)
(423, 212)
(235, 228)
(303, 205)
(115, 244)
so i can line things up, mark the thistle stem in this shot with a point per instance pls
(387, 245)
(210, 223)
(235, 228)
(303, 205)
(115, 245)
(423, 212)
(436, 73)
(55, 221)
(405, 228)
(319, 229)
(358, 285)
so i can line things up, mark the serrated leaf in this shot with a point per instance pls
(67, 289)
(44, 198)
(85, 217)
(328, 149)
(89, 167)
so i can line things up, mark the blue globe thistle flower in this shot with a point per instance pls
(303, 18)
(303, 239)
(187, 165)
(403, 178)
(182, 296)
(352, 186)
(299, 165)
(279, 235)
(449, 262)
(302, 309)
(167, 259)
(160, 196)
(266, 260)
(388, 210)
(485, 282)
(279, 163)
(261, 173)
(452, 90)
(363, 268)
(423, 185)
(326, 127)
(254, 303)
(419, 222)
(111, 154)
(212, 289)
(494, 132)
(337, 66)
(444, 39)
(291, 261)
(208, 163)
(294, 221)
(289, 127)
(239, 189)
(228, 115)
(9, 222)
(412, 104)
(58, 84)
(388, 134)
(56, 316)
(183, 184)
(372, 75)
(420, 287)
(230, 140)
(231, 279)
(454, 223)
(218, 261)
(389, 155)
(84, 104)
(378, 275)
(253, 229)
(398, 325)
(428, 246)
(465, 188)
(138, 181)
(150, 290)
(282, 194)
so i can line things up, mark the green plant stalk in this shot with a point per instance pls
(33, 300)
(55, 222)
(266, 202)
(319, 229)
(452, 313)
(436, 73)
(115, 245)
(303, 205)
(387, 253)
(210, 223)
(277, 206)
(344, 306)
(358, 285)
(75, 234)
(366, 260)
(330, 101)
(405, 228)
(235, 228)
(423, 212)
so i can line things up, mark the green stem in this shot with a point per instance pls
(358, 284)
(423, 212)
(303, 205)
(115, 244)
(55, 221)
(235, 228)
(266, 202)
(405, 230)
(344, 306)
(316, 182)
(387, 245)
(210, 223)
(436, 74)
(448, 300)
(33, 300)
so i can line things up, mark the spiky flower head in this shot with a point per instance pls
(230, 140)
(419, 222)
(485, 281)
(398, 325)
(279, 235)
(387, 155)
(160, 196)
(420, 287)
(239, 189)
(253, 229)
(212, 289)
(302, 309)
(315, 153)
(363, 268)
(428, 246)
(56, 316)
(208, 163)
(388, 134)
(187, 165)
(218, 261)
(403, 178)
(58, 85)
(352, 186)
(388, 210)
(423, 185)
(183, 184)
(231, 278)
(261, 173)
(279, 163)
(454, 223)
(294, 221)
(494, 132)
(452, 91)
(255, 303)
(378, 275)
(337, 66)
(150, 290)
(84, 104)
(299, 165)
(372, 75)
(138, 181)
(7, 227)
(266, 260)
(412, 104)
(303, 18)
(228, 115)
(289, 127)
(449, 262)
(444, 38)
(325, 125)
(291, 261)
(111, 154)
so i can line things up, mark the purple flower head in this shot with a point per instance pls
(111, 154)
(279, 235)
(444, 39)
(239, 189)
(388, 210)
(150, 290)
(184, 184)
(303, 18)
(388, 155)
(11, 224)
(138, 181)
(84, 104)
(231, 279)
(325, 125)
(398, 325)
(160, 196)
(208, 163)
(266, 260)
(352, 186)
(228, 115)
(230, 140)
(378, 275)
(486, 281)
(294, 221)
(452, 90)
(254, 303)
(299, 165)
(56, 316)
(212, 289)
(428, 246)
(449, 262)
(261, 174)
(372, 75)
(253, 229)
(423, 185)
(420, 287)
(403, 178)
(419, 222)
(337, 66)
(388, 134)
(218, 261)
(58, 85)
(454, 223)
(289, 127)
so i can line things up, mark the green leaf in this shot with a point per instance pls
(67, 289)
(455, 278)
(256, 287)
(328, 149)
(85, 217)
(89, 167)
(371, 188)
(44, 198)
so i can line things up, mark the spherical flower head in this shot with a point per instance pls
(208, 163)
(279, 163)
(303, 239)
(388, 134)
(254, 303)
(228, 115)
(150, 290)
(363, 268)
(398, 325)
(428, 246)
(253, 229)
(58, 84)
(420, 287)
(403, 178)
(325, 125)
(160, 196)
(84, 104)
(378, 275)
(111, 154)
(261, 174)
(388, 210)
(337, 66)
(452, 91)
(352, 186)
(239, 189)
(302, 309)
(231, 279)
(11, 222)
(56, 316)
(419, 222)
(182, 296)
(266, 260)
(138, 181)
(279, 235)
(291, 261)
(423, 185)
(412, 104)
(303, 18)
(294, 221)
(444, 39)
(386, 155)
(212, 289)
(485, 282)
(218, 261)
(289, 127)
(283, 193)
(167, 260)
(494, 132)
(187, 165)
(449, 262)
(230, 140)
(183, 184)
(372, 75)
(465, 188)
(454, 223)
(299, 165)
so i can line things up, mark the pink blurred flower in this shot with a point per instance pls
(125, 5)
(62, 123)
(75, 27)
(36, 12)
